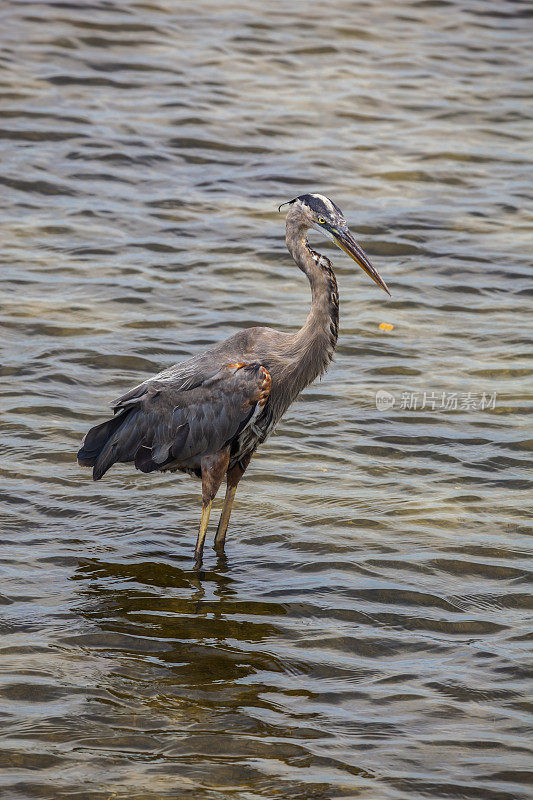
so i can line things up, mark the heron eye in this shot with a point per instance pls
(321, 220)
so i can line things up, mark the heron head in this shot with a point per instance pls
(319, 212)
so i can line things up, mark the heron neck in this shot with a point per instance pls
(315, 342)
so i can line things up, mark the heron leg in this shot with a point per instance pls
(220, 536)
(233, 477)
(213, 470)
(204, 521)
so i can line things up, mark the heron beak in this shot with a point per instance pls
(346, 242)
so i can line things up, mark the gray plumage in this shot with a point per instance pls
(166, 426)
(228, 399)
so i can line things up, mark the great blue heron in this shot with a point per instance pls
(207, 416)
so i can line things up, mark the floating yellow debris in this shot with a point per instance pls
(385, 326)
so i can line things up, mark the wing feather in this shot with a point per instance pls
(163, 425)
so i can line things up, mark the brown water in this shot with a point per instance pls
(366, 635)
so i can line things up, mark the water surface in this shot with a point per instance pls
(365, 636)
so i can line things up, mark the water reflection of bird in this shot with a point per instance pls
(207, 416)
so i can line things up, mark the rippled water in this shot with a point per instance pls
(366, 635)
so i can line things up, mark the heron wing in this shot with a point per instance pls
(166, 426)
(183, 376)
(250, 345)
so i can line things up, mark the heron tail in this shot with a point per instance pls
(99, 448)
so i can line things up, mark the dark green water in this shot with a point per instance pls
(366, 636)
